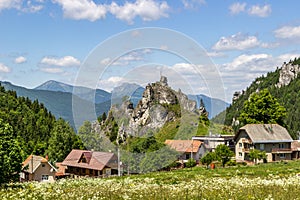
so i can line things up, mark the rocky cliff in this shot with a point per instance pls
(159, 104)
(288, 72)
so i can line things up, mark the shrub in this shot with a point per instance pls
(190, 163)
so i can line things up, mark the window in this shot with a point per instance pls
(240, 154)
(187, 156)
(240, 144)
(45, 177)
(282, 155)
(262, 146)
(281, 145)
(108, 172)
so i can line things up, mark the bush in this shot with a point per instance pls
(231, 163)
(190, 163)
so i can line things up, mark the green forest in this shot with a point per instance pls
(287, 96)
(35, 129)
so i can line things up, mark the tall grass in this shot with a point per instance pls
(266, 181)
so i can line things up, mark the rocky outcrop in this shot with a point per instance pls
(288, 72)
(159, 104)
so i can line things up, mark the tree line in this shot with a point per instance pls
(27, 127)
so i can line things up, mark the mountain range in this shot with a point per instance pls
(57, 98)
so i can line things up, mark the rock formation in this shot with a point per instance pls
(288, 72)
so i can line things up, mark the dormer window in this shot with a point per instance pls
(85, 157)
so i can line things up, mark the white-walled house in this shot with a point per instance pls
(271, 138)
(187, 149)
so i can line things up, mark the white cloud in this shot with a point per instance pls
(28, 6)
(110, 83)
(288, 32)
(4, 68)
(8, 4)
(238, 41)
(192, 4)
(148, 10)
(215, 54)
(237, 8)
(20, 60)
(82, 9)
(52, 70)
(184, 68)
(287, 57)
(260, 11)
(67, 61)
(247, 62)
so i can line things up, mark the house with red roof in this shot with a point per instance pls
(187, 149)
(37, 168)
(81, 163)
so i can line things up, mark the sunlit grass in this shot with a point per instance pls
(266, 181)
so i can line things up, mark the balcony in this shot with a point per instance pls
(281, 150)
(247, 141)
(247, 150)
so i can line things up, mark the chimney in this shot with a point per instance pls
(47, 158)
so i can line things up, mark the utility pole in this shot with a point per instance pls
(192, 150)
(119, 167)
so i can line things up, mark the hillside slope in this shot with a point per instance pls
(58, 103)
(286, 92)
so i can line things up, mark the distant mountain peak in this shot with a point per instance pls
(55, 86)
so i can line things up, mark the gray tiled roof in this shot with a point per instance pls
(267, 133)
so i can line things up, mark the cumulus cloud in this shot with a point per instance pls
(110, 83)
(260, 11)
(8, 4)
(192, 4)
(252, 62)
(4, 68)
(67, 61)
(288, 32)
(237, 8)
(238, 41)
(147, 10)
(27, 6)
(254, 10)
(82, 9)
(20, 60)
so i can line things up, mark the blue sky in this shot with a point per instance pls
(44, 40)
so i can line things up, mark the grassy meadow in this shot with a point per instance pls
(264, 181)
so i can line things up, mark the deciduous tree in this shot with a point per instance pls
(262, 108)
(10, 155)
(223, 154)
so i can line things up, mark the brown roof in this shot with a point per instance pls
(266, 133)
(184, 145)
(295, 146)
(32, 162)
(93, 159)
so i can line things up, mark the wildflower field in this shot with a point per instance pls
(265, 181)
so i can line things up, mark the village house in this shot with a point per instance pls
(271, 138)
(187, 149)
(37, 168)
(210, 142)
(296, 149)
(90, 163)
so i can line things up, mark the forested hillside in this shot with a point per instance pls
(35, 128)
(287, 95)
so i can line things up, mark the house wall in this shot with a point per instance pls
(242, 149)
(44, 169)
(240, 153)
